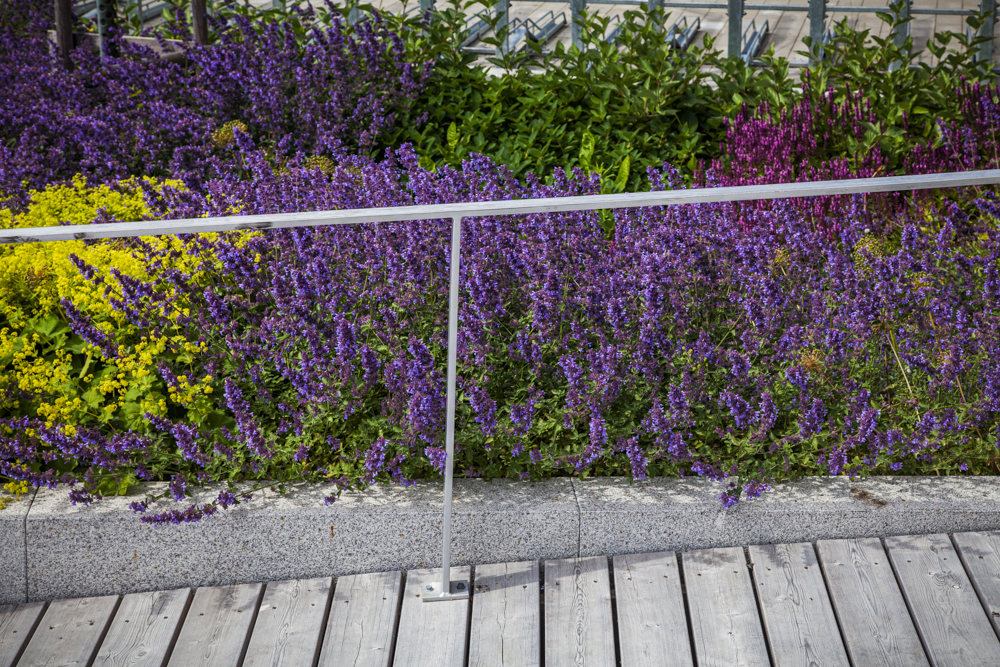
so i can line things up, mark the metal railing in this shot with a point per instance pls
(448, 589)
(744, 42)
(747, 42)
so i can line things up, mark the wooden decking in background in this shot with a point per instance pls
(911, 600)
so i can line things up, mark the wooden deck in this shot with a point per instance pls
(916, 600)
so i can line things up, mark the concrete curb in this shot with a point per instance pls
(76, 551)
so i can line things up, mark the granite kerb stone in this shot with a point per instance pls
(102, 548)
(620, 517)
(13, 564)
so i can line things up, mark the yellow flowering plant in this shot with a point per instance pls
(48, 371)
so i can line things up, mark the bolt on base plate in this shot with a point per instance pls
(434, 592)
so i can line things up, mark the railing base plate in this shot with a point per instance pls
(434, 592)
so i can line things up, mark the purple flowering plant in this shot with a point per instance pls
(746, 344)
(321, 89)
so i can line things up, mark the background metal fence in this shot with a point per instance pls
(747, 41)
(447, 589)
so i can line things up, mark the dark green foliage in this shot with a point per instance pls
(642, 99)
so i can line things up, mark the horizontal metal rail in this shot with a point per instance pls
(512, 207)
(447, 589)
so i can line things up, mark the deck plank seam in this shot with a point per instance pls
(975, 585)
(906, 601)
(541, 612)
(468, 615)
(829, 593)
(401, 593)
(614, 611)
(253, 624)
(326, 619)
(31, 633)
(760, 606)
(180, 624)
(104, 632)
(687, 605)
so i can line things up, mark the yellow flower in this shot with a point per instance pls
(35, 278)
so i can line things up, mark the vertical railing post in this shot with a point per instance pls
(64, 29)
(199, 21)
(986, 30)
(817, 21)
(107, 16)
(278, 4)
(654, 5)
(502, 9)
(901, 32)
(426, 5)
(735, 13)
(576, 8)
(448, 589)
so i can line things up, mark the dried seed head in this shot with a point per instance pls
(224, 135)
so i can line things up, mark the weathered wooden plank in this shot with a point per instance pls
(578, 624)
(289, 624)
(980, 553)
(431, 633)
(945, 608)
(798, 619)
(144, 629)
(506, 617)
(724, 620)
(17, 622)
(877, 627)
(362, 620)
(70, 632)
(217, 627)
(652, 627)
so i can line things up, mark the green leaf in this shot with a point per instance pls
(453, 137)
(426, 163)
(586, 150)
(623, 171)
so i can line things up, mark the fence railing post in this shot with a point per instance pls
(576, 8)
(901, 32)
(426, 5)
(735, 13)
(107, 17)
(447, 589)
(986, 30)
(656, 4)
(817, 21)
(64, 29)
(502, 10)
(199, 22)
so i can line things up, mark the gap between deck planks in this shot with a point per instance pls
(917, 600)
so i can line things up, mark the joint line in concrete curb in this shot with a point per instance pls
(24, 533)
(579, 517)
